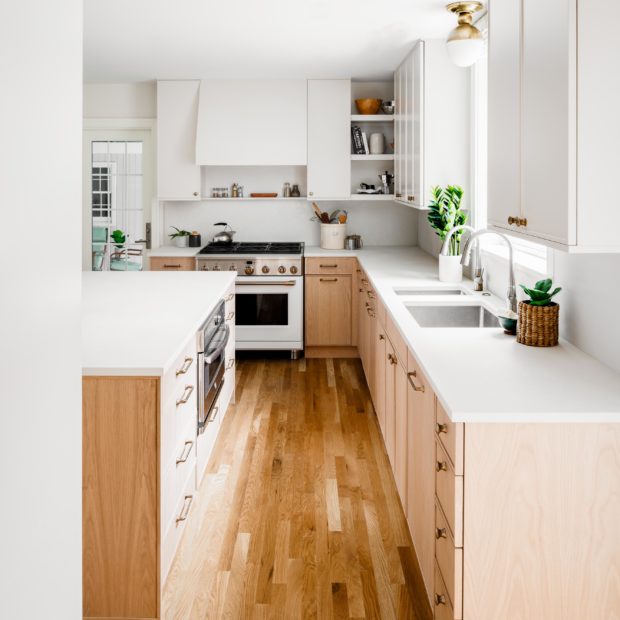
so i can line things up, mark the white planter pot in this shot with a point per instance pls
(450, 269)
(181, 242)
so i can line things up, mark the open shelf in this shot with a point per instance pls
(249, 199)
(382, 157)
(372, 118)
(372, 196)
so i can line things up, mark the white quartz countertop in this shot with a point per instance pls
(484, 375)
(138, 323)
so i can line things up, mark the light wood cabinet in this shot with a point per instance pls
(252, 123)
(329, 139)
(378, 375)
(554, 93)
(158, 263)
(426, 120)
(178, 176)
(328, 310)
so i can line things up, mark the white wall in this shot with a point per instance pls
(40, 368)
(122, 100)
(379, 223)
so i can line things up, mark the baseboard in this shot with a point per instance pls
(321, 352)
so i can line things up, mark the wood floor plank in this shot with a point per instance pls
(298, 516)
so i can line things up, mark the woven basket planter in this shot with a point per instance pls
(538, 325)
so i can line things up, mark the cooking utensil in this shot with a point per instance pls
(224, 237)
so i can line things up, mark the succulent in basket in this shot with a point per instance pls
(540, 295)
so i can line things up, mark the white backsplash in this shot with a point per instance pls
(379, 223)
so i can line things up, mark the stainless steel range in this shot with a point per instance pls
(269, 292)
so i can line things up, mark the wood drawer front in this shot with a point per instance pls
(451, 436)
(176, 477)
(175, 530)
(450, 561)
(449, 490)
(330, 265)
(443, 608)
(328, 319)
(397, 341)
(173, 264)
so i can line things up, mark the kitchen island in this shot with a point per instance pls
(143, 458)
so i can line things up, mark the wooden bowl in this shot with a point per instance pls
(368, 106)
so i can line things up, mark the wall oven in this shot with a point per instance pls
(269, 312)
(211, 343)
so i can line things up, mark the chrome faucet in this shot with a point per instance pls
(479, 286)
(511, 293)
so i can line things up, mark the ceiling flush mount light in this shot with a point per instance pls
(465, 42)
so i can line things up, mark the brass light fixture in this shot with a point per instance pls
(465, 43)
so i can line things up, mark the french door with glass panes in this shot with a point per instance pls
(117, 192)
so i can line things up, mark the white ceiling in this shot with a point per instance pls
(148, 39)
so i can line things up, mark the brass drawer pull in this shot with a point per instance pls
(186, 364)
(441, 532)
(381, 337)
(440, 599)
(417, 388)
(364, 280)
(231, 363)
(187, 392)
(328, 279)
(410, 198)
(186, 506)
(371, 314)
(361, 290)
(517, 221)
(441, 428)
(229, 297)
(441, 466)
(398, 195)
(371, 295)
(213, 413)
(392, 359)
(172, 266)
(328, 266)
(187, 448)
(231, 316)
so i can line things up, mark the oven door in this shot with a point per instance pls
(269, 312)
(211, 368)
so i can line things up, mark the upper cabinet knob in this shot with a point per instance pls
(195, 193)
(310, 193)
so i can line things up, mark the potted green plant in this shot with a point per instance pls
(446, 212)
(539, 316)
(119, 238)
(179, 237)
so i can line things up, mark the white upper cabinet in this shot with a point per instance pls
(329, 139)
(252, 123)
(431, 135)
(178, 176)
(554, 93)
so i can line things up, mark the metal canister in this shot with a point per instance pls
(353, 242)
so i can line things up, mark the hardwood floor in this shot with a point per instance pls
(298, 515)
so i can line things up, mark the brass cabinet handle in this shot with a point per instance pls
(441, 428)
(361, 290)
(440, 599)
(392, 359)
(186, 364)
(187, 503)
(441, 466)
(213, 413)
(230, 316)
(364, 280)
(398, 195)
(231, 363)
(410, 198)
(381, 337)
(229, 297)
(441, 532)
(371, 314)
(328, 266)
(517, 221)
(187, 448)
(328, 279)
(371, 295)
(417, 388)
(172, 266)
(187, 392)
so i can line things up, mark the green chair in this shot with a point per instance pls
(99, 241)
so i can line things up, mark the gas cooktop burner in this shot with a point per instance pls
(252, 247)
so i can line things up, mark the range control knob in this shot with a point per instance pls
(232, 268)
(293, 269)
(265, 269)
(249, 270)
(281, 269)
(216, 267)
(203, 268)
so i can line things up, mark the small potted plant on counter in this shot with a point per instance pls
(179, 237)
(119, 238)
(446, 213)
(539, 316)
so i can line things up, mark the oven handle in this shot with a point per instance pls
(272, 283)
(213, 355)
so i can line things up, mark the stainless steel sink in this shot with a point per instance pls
(429, 291)
(453, 316)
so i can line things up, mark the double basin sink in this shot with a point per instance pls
(452, 312)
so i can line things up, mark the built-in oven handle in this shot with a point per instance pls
(270, 283)
(213, 355)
